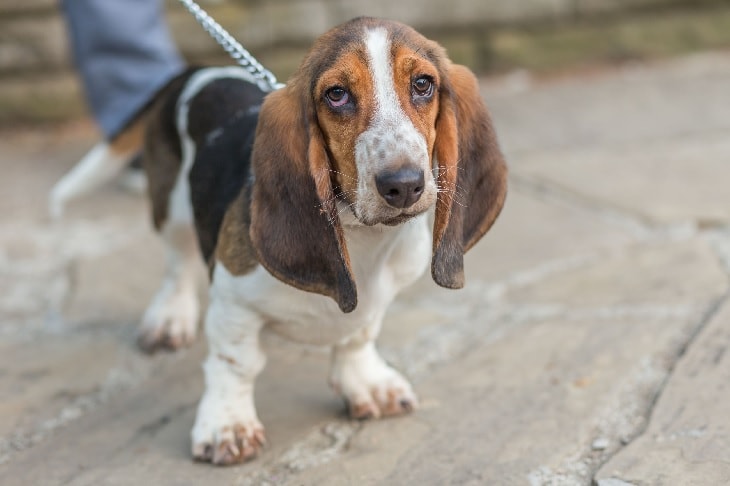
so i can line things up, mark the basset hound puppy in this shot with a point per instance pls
(311, 207)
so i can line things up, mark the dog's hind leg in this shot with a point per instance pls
(171, 320)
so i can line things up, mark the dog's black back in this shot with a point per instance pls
(220, 126)
(223, 160)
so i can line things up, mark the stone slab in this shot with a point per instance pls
(461, 13)
(621, 146)
(593, 7)
(673, 276)
(534, 230)
(634, 105)
(662, 182)
(261, 24)
(33, 44)
(39, 378)
(26, 6)
(686, 441)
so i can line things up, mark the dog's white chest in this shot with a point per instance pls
(384, 261)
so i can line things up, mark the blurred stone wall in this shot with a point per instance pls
(37, 81)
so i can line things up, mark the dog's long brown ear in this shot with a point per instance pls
(295, 228)
(472, 175)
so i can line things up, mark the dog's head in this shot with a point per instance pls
(379, 119)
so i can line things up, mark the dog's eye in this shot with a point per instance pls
(337, 97)
(422, 87)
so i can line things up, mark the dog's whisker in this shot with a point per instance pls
(337, 197)
(440, 174)
(339, 212)
(454, 187)
(453, 195)
(343, 174)
(344, 209)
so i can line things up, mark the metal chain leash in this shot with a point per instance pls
(267, 80)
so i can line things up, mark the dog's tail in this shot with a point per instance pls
(99, 166)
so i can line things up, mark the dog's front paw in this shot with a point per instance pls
(372, 389)
(224, 440)
(170, 322)
(228, 445)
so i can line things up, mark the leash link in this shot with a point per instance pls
(266, 79)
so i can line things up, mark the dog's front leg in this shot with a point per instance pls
(227, 429)
(370, 386)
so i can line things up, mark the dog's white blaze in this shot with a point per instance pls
(391, 139)
(388, 110)
(387, 105)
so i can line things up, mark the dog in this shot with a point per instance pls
(312, 207)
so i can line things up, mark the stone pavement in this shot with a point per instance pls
(589, 345)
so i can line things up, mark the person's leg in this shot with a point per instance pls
(124, 54)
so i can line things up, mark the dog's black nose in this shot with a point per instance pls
(401, 188)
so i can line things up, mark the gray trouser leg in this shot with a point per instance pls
(124, 54)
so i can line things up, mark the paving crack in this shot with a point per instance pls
(719, 241)
(119, 379)
(41, 261)
(149, 429)
(639, 225)
(479, 315)
(154, 427)
(708, 315)
(317, 448)
(627, 415)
